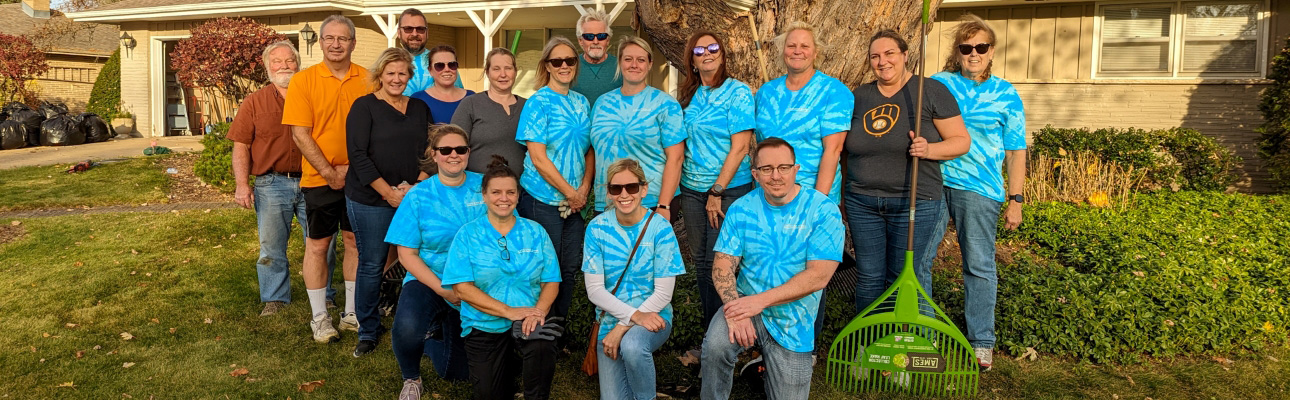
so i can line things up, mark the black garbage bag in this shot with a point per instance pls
(14, 106)
(32, 120)
(96, 130)
(12, 135)
(51, 110)
(61, 130)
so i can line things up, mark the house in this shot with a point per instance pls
(75, 51)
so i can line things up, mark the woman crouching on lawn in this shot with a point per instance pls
(505, 271)
(423, 228)
(631, 261)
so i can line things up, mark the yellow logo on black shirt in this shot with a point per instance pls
(879, 120)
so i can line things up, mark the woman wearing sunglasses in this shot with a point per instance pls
(974, 186)
(639, 122)
(632, 260)
(881, 151)
(422, 230)
(718, 124)
(504, 269)
(385, 138)
(443, 96)
(556, 128)
(491, 117)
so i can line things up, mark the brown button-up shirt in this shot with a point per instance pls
(259, 124)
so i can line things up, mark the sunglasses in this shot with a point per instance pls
(710, 49)
(447, 150)
(595, 36)
(452, 65)
(560, 62)
(506, 254)
(981, 48)
(411, 29)
(632, 188)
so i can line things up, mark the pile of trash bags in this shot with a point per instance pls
(51, 124)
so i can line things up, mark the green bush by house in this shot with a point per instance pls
(215, 165)
(1177, 157)
(106, 94)
(1274, 135)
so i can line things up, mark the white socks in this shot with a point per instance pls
(349, 297)
(317, 301)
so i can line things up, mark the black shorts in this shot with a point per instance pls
(325, 210)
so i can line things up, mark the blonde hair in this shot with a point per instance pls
(390, 55)
(437, 132)
(782, 40)
(969, 26)
(625, 164)
(544, 76)
(632, 40)
(488, 59)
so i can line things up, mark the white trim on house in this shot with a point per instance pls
(157, 83)
(200, 9)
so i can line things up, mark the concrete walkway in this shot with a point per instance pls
(115, 148)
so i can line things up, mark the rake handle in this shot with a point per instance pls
(918, 132)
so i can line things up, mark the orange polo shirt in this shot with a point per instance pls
(320, 100)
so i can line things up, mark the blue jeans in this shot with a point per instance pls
(566, 236)
(632, 375)
(879, 231)
(411, 337)
(370, 224)
(788, 373)
(277, 200)
(976, 221)
(702, 238)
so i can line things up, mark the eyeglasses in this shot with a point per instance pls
(595, 36)
(506, 254)
(783, 169)
(632, 188)
(336, 39)
(447, 150)
(710, 49)
(981, 48)
(560, 62)
(410, 29)
(452, 65)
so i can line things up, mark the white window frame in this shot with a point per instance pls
(1177, 31)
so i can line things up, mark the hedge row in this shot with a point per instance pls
(1180, 158)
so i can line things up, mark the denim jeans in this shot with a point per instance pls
(976, 221)
(632, 375)
(879, 231)
(411, 337)
(702, 238)
(788, 373)
(566, 236)
(277, 200)
(370, 224)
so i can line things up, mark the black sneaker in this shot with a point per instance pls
(364, 347)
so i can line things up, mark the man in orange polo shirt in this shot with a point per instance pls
(318, 100)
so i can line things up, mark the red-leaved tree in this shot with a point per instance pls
(20, 62)
(223, 56)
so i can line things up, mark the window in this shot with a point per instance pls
(1183, 39)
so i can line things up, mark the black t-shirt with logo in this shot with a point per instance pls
(877, 147)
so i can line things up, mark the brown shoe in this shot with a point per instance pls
(271, 308)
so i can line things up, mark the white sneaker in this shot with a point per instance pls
(348, 322)
(984, 357)
(411, 390)
(324, 332)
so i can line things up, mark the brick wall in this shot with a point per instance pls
(69, 80)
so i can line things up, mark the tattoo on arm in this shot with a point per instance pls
(723, 278)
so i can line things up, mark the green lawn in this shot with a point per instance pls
(183, 286)
(131, 181)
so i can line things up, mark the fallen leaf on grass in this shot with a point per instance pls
(148, 274)
(33, 349)
(1222, 360)
(80, 353)
(155, 321)
(126, 336)
(208, 320)
(133, 272)
(308, 387)
(15, 223)
(1030, 354)
(249, 380)
(1270, 358)
(79, 264)
(67, 385)
(96, 347)
(239, 372)
(133, 251)
(172, 330)
(42, 360)
(71, 325)
(127, 365)
(688, 359)
(46, 334)
(218, 247)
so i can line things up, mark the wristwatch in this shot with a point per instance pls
(1017, 198)
(716, 191)
(663, 206)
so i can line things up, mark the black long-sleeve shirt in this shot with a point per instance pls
(383, 143)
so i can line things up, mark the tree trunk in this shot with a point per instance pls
(842, 26)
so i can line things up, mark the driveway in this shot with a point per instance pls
(115, 148)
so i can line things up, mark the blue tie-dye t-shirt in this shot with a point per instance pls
(430, 215)
(563, 124)
(774, 243)
(996, 120)
(510, 269)
(714, 115)
(639, 127)
(803, 118)
(605, 252)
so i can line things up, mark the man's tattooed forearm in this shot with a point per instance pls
(723, 277)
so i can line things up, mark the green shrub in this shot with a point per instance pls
(215, 165)
(1274, 135)
(106, 94)
(1182, 158)
(1173, 274)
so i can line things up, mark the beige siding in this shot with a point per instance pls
(1050, 42)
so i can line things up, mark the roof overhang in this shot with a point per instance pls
(216, 9)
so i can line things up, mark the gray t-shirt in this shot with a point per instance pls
(491, 130)
(877, 147)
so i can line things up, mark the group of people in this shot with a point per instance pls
(480, 197)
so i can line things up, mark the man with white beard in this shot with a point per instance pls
(598, 70)
(263, 148)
